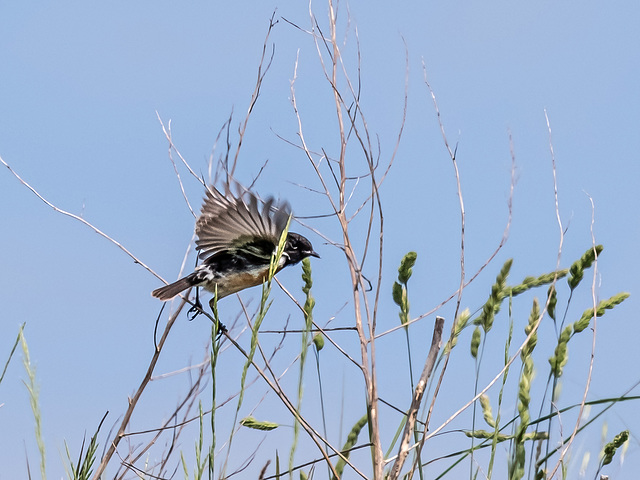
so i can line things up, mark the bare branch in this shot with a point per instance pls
(172, 147)
(503, 241)
(262, 72)
(594, 300)
(133, 401)
(82, 220)
(313, 434)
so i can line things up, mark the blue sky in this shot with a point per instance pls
(81, 85)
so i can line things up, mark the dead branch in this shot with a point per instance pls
(416, 402)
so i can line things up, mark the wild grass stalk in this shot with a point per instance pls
(265, 304)
(83, 469)
(304, 347)
(13, 350)
(34, 399)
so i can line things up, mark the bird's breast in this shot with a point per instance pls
(233, 282)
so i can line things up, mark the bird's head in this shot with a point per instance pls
(297, 248)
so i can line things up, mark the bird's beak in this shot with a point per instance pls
(313, 254)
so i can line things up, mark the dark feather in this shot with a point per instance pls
(173, 289)
(236, 240)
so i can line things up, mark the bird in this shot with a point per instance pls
(237, 235)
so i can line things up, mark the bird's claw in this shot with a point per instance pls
(194, 312)
(197, 307)
(220, 330)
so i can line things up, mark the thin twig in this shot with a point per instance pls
(503, 241)
(314, 435)
(516, 354)
(319, 328)
(594, 300)
(134, 400)
(262, 72)
(188, 401)
(557, 214)
(172, 147)
(81, 220)
(452, 155)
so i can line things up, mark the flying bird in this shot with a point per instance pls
(237, 236)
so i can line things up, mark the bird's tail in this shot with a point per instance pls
(170, 291)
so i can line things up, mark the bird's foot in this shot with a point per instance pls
(194, 312)
(220, 330)
(196, 309)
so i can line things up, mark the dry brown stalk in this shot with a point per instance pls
(416, 401)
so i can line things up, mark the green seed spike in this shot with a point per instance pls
(352, 438)
(583, 263)
(306, 289)
(560, 356)
(399, 290)
(486, 410)
(501, 437)
(499, 291)
(460, 323)
(484, 435)
(610, 448)
(553, 301)
(475, 342)
(318, 341)
(533, 319)
(251, 422)
(306, 275)
(532, 282)
(407, 263)
(584, 321)
(397, 293)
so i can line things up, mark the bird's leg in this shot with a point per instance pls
(220, 328)
(197, 307)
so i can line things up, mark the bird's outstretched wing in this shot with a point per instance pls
(237, 222)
